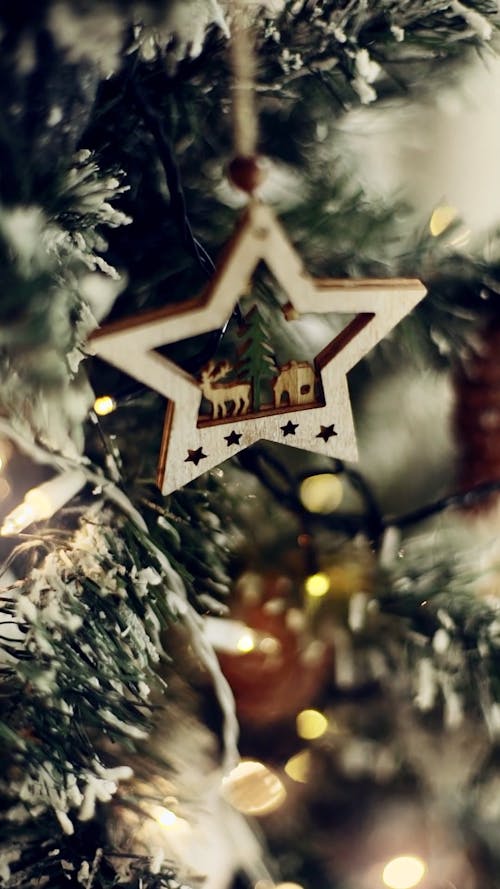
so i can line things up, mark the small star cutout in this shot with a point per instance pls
(233, 438)
(289, 429)
(326, 432)
(195, 456)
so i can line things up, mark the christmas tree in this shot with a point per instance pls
(285, 673)
(257, 357)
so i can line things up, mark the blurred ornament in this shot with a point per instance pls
(477, 413)
(286, 669)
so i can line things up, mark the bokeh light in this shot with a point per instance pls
(104, 405)
(441, 219)
(246, 643)
(298, 767)
(166, 817)
(317, 585)
(252, 788)
(311, 724)
(321, 493)
(403, 872)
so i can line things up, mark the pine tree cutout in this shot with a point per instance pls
(257, 355)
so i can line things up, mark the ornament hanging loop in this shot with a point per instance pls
(247, 169)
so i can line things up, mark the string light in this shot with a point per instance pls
(246, 642)
(42, 502)
(231, 636)
(170, 821)
(321, 493)
(298, 767)
(253, 789)
(317, 585)
(104, 405)
(166, 818)
(311, 724)
(403, 872)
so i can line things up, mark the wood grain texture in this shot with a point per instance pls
(190, 445)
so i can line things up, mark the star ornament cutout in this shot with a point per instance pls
(193, 443)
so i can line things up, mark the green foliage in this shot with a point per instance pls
(79, 91)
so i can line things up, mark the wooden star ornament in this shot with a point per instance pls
(305, 404)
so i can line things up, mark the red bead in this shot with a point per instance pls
(247, 173)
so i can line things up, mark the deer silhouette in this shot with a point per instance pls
(222, 395)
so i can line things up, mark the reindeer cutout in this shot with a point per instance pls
(224, 395)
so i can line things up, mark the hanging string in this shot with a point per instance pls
(245, 127)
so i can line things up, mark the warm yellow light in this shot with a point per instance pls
(42, 502)
(105, 404)
(298, 767)
(253, 788)
(441, 219)
(317, 585)
(166, 817)
(269, 645)
(403, 872)
(245, 643)
(170, 821)
(321, 493)
(20, 517)
(311, 724)
(288, 886)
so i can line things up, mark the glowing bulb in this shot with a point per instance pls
(252, 788)
(170, 821)
(311, 724)
(317, 585)
(245, 643)
(403, 872)
(166, 818)
(20, 517)
(104, 405)
(298, 767)
(42, 502)
(321, 493)
(441, 219)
